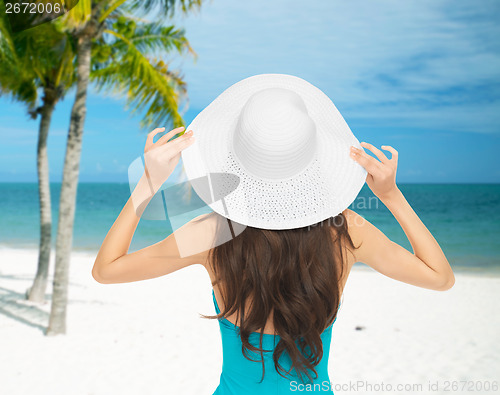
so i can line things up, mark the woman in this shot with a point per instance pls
(280, 243)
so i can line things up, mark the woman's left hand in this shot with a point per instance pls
(160, 158)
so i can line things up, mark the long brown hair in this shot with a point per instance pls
(290, 275)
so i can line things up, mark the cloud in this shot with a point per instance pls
(406, 62)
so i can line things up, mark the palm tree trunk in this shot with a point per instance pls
(37, 291)
(67, 203)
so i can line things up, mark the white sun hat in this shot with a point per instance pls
(285, 148)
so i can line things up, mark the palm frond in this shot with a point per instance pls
(7, 51)
(77, 16)
(16, 80)
(42, 58)
(111, 8)
(153, 36)
(166, 7)
(148, 83)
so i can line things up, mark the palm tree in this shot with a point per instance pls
(56, 73)
(131, 69)
(38, 59)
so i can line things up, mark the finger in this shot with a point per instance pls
(185, 142)
(151, 135)
(392, 151)
(370, 164)
(163, 139)
(180, 143)
(376, 151)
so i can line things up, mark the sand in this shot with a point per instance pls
(147, 337)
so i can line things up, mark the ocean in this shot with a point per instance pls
(464, 218)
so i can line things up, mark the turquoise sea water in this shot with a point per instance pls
(464, 218)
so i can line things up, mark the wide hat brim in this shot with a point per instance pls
(325, 188)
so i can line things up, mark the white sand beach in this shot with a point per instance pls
(147, 337)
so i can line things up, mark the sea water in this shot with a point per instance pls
(464, 218)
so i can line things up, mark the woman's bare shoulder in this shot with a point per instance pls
(196, 237)
(354, 224)
(360, 230)
(205, 232)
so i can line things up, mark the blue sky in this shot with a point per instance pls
(422, 76)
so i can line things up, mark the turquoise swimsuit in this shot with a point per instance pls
(241, 376)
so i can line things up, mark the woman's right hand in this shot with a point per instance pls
(381, 174)
(161, 157)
